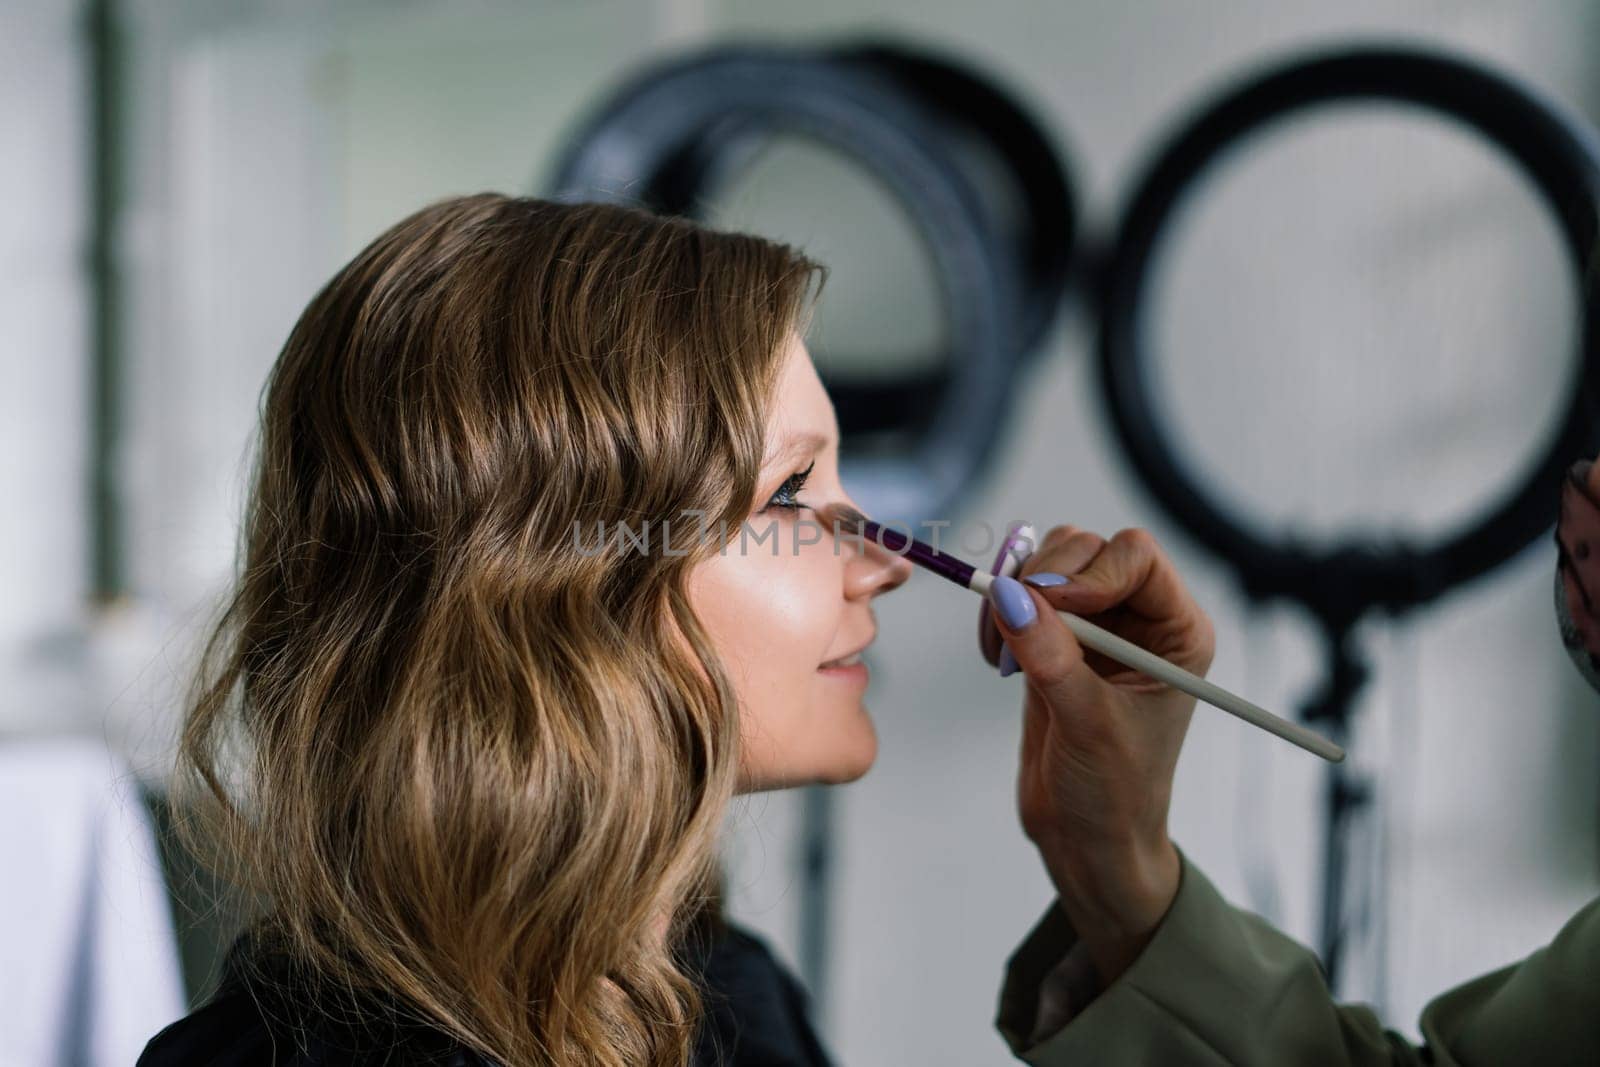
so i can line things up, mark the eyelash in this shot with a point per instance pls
(784, 497)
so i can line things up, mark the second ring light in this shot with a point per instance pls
(981, 183)
(1553, 150)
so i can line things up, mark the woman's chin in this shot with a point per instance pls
(854, 762)
(833, 751)
(845, 777)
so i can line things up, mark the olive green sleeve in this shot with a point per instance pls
(1220, 985)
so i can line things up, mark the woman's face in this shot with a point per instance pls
(785, 598)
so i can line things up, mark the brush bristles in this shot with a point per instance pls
(843, 518)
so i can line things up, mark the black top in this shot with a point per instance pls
(756, 1014)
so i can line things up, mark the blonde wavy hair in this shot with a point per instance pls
(446, 754)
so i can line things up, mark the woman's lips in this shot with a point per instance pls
(850, 658)
(851, 668)
(855, 672)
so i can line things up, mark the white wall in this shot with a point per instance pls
(1399, 372)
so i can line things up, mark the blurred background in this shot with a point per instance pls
(1366, 322)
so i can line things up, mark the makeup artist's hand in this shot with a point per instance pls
(1100, 741)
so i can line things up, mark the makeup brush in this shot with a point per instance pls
(841, 517)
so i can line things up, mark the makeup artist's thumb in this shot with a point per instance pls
(1039, 643)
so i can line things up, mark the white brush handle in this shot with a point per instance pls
(1129, 654)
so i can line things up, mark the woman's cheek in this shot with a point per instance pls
(802, 595)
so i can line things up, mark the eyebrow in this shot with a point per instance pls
(798, 445)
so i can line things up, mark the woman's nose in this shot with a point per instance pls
(874, 569)
(875, 572)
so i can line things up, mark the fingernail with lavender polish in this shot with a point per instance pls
(1045, 579)
(1014, 603)
(1008, 662)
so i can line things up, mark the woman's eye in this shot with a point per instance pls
(785, 496)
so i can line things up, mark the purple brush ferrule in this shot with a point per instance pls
(941, 563)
